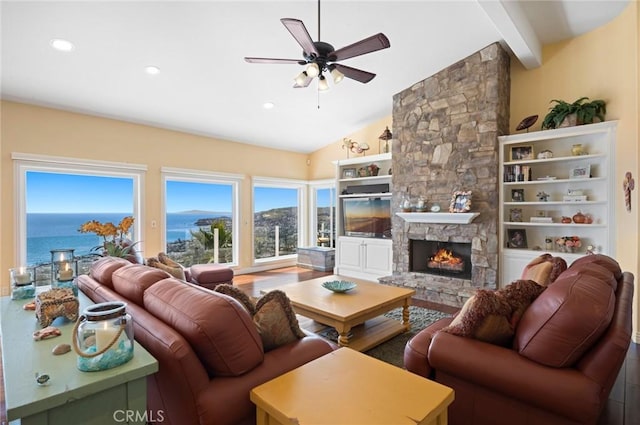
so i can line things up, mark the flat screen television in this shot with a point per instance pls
(367, 217)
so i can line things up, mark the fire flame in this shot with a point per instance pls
(446, 256)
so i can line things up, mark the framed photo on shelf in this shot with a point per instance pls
(517, 195)
(349, 173)
(515, 214)
(460, 202)
(516, 238)
(521, 152)
(580, 172)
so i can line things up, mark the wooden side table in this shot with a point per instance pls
(348, 387)
(71, 396)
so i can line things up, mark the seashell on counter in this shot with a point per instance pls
(61, 349)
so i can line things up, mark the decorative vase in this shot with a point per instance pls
(569, 121)
(566, 219)
(579, 218)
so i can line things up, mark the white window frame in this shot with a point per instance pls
(314, 186)
(208, 177)
(24, 163)
(301, 187)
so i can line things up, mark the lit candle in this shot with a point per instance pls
(65, 272)
(104, 336)
(22, 276)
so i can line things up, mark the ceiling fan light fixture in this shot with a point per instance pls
(313, 70)
(322, 83)
(301, 78)
(337, 75)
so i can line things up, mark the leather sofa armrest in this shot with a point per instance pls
(417, 348)
(564, 391)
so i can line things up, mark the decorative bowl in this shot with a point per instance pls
(339, 285)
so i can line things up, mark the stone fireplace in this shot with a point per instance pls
(446, 130)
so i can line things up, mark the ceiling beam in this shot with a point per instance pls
(515, 29)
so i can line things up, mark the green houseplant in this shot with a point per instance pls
(585, 112)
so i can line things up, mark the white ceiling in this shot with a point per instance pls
(205, 87)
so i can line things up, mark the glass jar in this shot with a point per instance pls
(577, 150)
(71, 284)
(22, 282)
(103, 336)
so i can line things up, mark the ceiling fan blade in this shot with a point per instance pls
(354, 73)
(367, 45)
(299, 32)
(306, 83)
(271, 60)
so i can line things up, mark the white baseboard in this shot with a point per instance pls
(636, 338)
(264, 267)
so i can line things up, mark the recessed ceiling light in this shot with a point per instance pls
(62, 45)
(152, 70)
(268, 105)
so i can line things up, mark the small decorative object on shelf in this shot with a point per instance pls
(103, 337)
(385, 137)
(579, 218)
(349, 173)
(583, 172)
(373, 169)
(577, 150)
(515, 214)
(542, 196)
(435, 208)
(565, 114)
(545, 154)
(460, 201)
(405, 204)
(565, 219)
(22, 282)
(421, 205)
(568, 243)
(548, 243)
(527, 122)
(519, 153)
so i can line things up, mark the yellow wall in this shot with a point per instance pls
(44, 131)
(602, 64)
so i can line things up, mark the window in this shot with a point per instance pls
(200, 221)
(277, 223)
(322, 208)
(56, 196)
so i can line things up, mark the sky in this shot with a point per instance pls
(71, 193)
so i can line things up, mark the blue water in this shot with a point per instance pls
(58, 231)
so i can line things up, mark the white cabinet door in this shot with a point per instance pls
(378, 257)
(349, 254)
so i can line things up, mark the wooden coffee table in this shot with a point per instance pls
(347, 387)
(364, 305)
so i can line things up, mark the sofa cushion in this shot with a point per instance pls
(102, 269)
(276, 321)
(131, 281)
(217, 327)
(486, 317)
(565, 320)
(601, 260)
(544, 269)
(175, 271)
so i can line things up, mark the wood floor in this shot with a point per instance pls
(623, 407)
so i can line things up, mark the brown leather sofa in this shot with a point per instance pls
(567, 352)
(209, 352)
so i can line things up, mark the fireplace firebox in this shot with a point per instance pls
(451, 259)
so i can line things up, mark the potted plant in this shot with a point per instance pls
(583, 112)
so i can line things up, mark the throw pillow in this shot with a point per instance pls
(486, 317)
(177, 272)
(519, 295)
(276, 321)
(544, 269)
(239, 295)
(164, 259)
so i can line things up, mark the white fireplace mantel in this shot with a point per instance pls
(439, 217)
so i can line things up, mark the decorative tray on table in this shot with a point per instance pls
(339, 285)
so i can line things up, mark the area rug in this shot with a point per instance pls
(392, 351)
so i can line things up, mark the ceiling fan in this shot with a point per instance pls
(320, 57)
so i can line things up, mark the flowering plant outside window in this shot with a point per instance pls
(116, 241)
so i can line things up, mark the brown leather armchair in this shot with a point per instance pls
(566, 355)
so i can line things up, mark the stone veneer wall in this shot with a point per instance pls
(446, 130)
